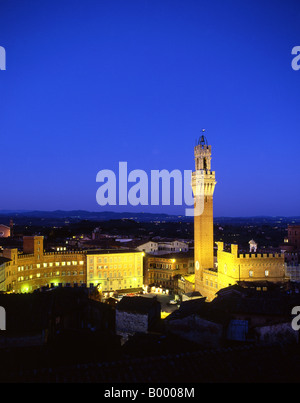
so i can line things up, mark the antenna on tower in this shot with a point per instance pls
(202, 141)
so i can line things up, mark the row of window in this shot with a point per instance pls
(159, 275)
(112, 259)
(45, 265)
(109, 287)
(251, 273)
(120, 266)
(54, 274)
(172, 249)
(168, 266)
(160, 266)
(211, 284)
(34, 287)
(116, 274)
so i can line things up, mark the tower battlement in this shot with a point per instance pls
(259, 255)
(247, 256)
(202, 152)
(202, 149)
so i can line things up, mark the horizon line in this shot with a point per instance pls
(3, 212)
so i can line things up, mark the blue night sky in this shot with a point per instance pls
(91, 83)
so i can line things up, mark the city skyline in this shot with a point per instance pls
(89, 85)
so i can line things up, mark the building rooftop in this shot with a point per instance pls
(200, 308)
(188, 277)
(137, 304)
(261, 298)
(110, 251)
(193, 294)
(174, 255)
(4, 260)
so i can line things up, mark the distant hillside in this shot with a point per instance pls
(61, 216)
(94, 216)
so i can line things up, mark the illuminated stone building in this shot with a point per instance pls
(231, 266)
(34, 268)
(162, 248)
(234, 266)
(186, 284)
(163, 271)
(4, 262)
(115, 270)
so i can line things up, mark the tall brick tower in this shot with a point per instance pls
(203, 183)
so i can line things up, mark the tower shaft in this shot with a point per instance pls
(203, 183)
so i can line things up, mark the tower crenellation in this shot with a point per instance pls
(202, 152)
